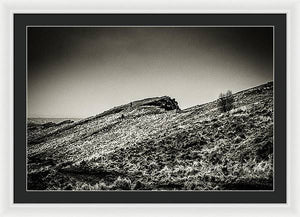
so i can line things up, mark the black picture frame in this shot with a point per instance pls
(21, 21)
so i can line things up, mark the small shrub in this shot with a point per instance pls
(122, 184)
(225, 101)
(264, 150)
(188, 185)
(100, 186)
(139, 186)
(69, 187)
(153, 165)
(237, 139)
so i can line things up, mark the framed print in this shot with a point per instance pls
(150, 108)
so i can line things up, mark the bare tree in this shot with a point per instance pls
(225, 101)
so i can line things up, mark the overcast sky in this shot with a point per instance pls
(80, 72)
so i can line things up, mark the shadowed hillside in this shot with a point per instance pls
(151, 144)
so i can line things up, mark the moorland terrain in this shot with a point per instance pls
(152, 144)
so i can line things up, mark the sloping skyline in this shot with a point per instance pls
(77, 72)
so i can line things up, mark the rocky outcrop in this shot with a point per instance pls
(164, 102)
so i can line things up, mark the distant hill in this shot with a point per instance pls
(151, 144)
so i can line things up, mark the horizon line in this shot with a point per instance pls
(148, 98)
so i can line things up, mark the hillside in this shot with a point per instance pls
(151, 144)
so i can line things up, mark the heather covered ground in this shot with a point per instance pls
(151, 144)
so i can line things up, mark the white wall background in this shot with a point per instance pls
(153, 6)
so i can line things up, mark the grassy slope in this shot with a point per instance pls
(151, 148)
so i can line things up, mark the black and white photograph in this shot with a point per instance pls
(150, 108)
